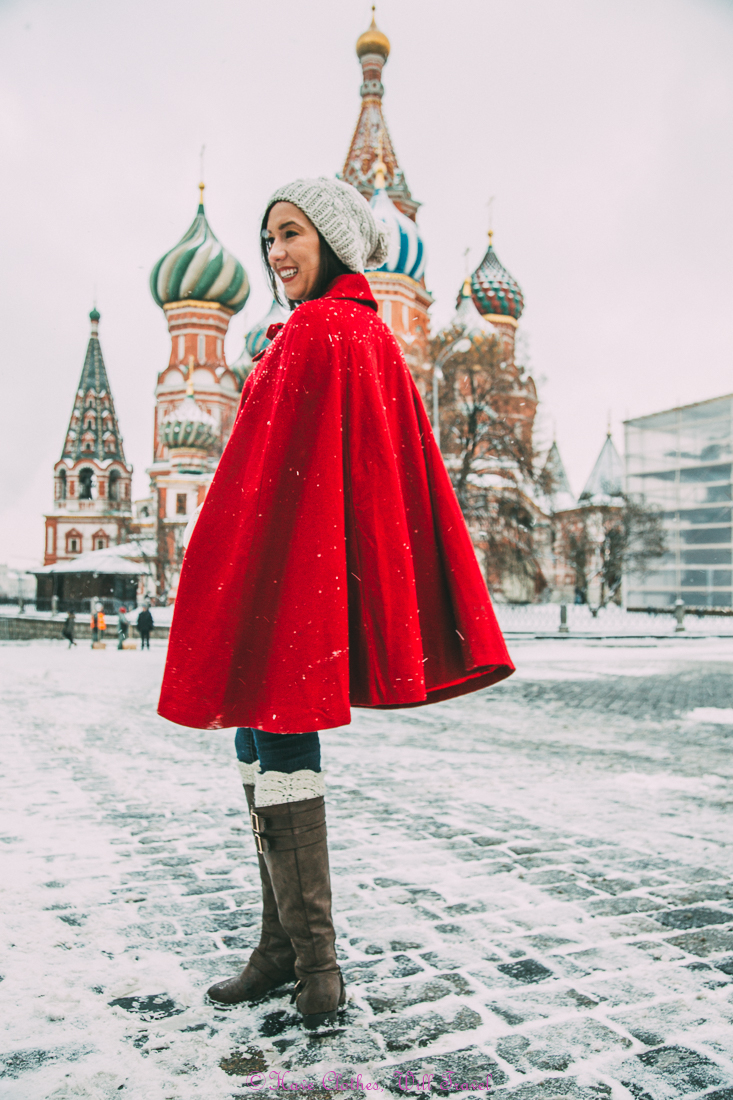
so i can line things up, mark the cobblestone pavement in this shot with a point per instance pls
(532, 887)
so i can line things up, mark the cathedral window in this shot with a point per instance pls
(86, 480)
(73, 542)
(62, 484)
(181, 509)
(201, 348)
(89, 421)
(114, 489)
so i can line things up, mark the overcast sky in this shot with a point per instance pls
(602, 127)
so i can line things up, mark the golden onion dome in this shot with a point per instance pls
(372, 41)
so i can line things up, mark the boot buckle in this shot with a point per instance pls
(258, 831)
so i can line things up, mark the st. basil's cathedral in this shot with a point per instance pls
(200, 286)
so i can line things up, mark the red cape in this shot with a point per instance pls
(331, 566)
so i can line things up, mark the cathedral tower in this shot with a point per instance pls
(92, 480)
(499, 299)
(199, 286)
(372, 167)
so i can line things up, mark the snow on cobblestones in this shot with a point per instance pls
(532, 885)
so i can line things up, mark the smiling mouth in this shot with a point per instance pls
(287, 273)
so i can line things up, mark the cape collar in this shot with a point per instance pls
(354, 287)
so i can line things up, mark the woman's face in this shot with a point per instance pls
(294, 250)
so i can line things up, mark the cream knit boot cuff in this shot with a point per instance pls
(272, 788)
(249, 772)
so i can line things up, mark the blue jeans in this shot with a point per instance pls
(278, 752)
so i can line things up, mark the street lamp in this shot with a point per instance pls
(458, 347)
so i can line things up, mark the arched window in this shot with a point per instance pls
(86, 477)
(114, 489)
(62, 484)
(73, 542)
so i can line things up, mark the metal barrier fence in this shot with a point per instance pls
(613, 620)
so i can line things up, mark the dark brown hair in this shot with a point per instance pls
(329, 267)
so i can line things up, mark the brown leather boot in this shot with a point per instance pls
(272, 962)
(292, 836)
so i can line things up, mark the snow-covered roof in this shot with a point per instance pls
(108, 561)
(606, 481)
(561, 495)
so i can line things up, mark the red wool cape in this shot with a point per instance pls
(330, 566)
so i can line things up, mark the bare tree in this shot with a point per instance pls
(602, 542)
(486, 414)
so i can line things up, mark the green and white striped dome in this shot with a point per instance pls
(189, 426)
(201, 269)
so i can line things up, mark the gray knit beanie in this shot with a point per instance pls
(342, 216)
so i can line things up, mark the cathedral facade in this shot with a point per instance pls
(199, 286)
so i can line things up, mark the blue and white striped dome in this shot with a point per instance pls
(256, 339)
(406, 248)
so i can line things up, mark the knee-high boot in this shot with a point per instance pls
(272, 961)
(292, 837)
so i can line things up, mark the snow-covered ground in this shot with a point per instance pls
(532, 882)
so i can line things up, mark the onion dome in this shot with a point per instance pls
(494, 291)
(256, 339)
(406, 255)
(242, 367)
(467, 318)
(188, 425)
(201, 269)
(372, 41)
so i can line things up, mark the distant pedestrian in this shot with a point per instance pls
(98, 624)
(144, 626)
(123, 627)
(67, 630)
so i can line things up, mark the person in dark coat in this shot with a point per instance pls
(144, 627)
(67, 630)
(330, 567)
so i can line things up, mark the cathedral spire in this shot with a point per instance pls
(92, 479)
(93, 431)
(364, 156)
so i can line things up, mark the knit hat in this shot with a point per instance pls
(342, 216)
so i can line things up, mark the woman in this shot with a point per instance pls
(330, 568)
